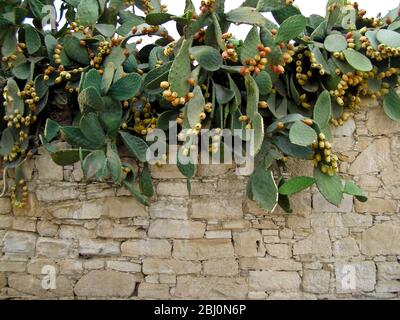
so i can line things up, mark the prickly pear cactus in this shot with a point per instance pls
(90, 83)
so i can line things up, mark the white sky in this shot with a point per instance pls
(308, 7)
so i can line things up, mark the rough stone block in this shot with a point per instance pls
(53, 248)
(217, 209)
(346, 248)
(318, 244)
(176, 229)
(175, 189)
(90, 247)
(267, 263)
(355, 277)
(373, 159)
(124, 266)
(321, 205)
(221, 267)
(47, 228)
(376, 205)
(203, 249)
(22, 243)
(248, 243)
(146, 247)
(105, 284)
(281, 251)
(382, 239)
(175, 209)
(316, 281)
(153, 291)
(47, 169)
(170, 266)
(5, 205)
(274, 281)
(190, 287)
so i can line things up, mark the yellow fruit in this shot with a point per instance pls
(164, 85)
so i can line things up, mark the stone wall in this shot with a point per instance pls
(214, 243)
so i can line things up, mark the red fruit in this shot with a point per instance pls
(278, 69)
(281, 69)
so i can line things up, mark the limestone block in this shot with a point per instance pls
(248, 243)
(170, 266)
(175, 209)
(91, 247)
(221, 267)
(105, 283)
(281, 251)
(373, 159)
(274, 281)
(267, 263)
(318, 244)
(54, 248)
(346, 248)
(146, 247)
(176, 229)
(22, 243)
(153, 291)
(190, 287)
(217, 209)
(382, 239)
(364, 274)
(316, 281)
(202, 249)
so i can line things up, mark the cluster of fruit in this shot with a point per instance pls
(307, 66)
(16, 120)
(145, 118)
(230, 53)
(9, 60)
(381, 53)
(169, 49)
(258, 63)
(19, 195)
(147, 6)
(354, 85)
(207, 6)
(173, 97)
(103, 51)
(129, 3)
(150, 30)
(75, 27)
(341, 120)
(29, 95)
(323, 156)
(63, 76)
(57, 53)
(15, 152)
